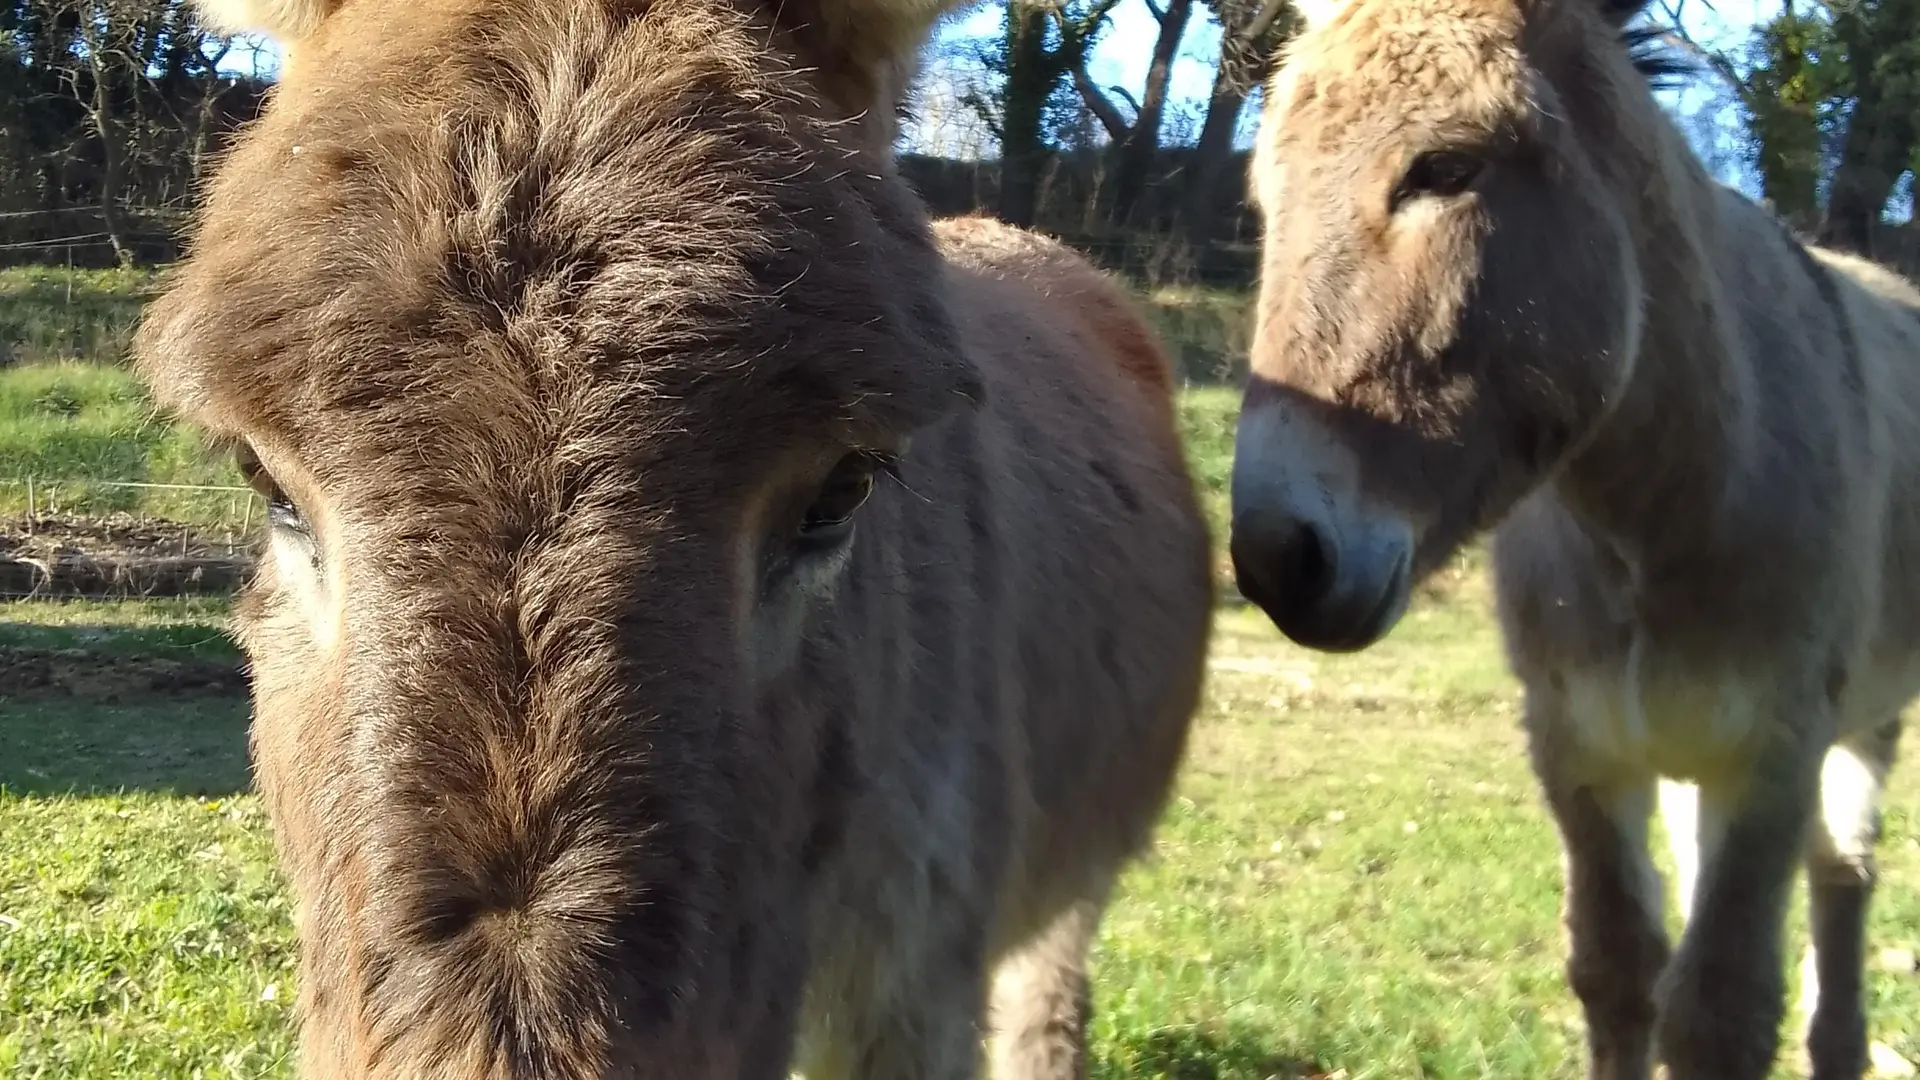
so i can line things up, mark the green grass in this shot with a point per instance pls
(1356, 875)
(1208, 330)
(74, 428)
(191, 627)
(52, 313)
(1355, 879)
(70, 425)
(1207, 418)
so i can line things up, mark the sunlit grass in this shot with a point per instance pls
(1356, 875)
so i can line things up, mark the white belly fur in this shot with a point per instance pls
(1696, 728)
(1680, 728)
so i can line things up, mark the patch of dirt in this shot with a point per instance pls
(121, 535)
(112, 678)
(118, 556)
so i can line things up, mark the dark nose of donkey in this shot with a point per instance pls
(1325, 588)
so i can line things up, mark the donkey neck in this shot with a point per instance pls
(1658, 468)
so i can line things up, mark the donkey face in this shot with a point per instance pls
(1449, 293)
(566, 342)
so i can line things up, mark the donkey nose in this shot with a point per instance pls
(1322, 590)
(1282, 561)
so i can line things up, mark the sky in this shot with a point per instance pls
(1121, 57)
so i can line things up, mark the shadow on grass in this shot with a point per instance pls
(92, 711)
(1190, 1053)
(179, 746)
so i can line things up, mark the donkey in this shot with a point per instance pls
(1499, 293)
(714, 620)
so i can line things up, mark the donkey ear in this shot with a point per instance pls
(286, 21)
(865, 52)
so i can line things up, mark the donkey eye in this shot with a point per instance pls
(830, 518)
(1439, 173)
(280, 509)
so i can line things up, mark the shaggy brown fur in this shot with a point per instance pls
(561, 333)
(1500, 289)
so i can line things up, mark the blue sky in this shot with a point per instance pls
(1121, 59)
(1122, 55)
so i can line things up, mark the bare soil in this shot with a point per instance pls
(114, 678)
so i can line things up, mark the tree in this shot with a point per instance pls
(1831, 96)
(1251, 33)
(1882, 43)
(109, 112)
(1796, 78)
(1041, 41)
(1137, 143)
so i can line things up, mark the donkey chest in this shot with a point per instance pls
(1635, 715)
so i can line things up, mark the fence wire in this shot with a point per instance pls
(80, 537)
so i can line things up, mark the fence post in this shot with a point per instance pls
(73, 320)
(30, 507)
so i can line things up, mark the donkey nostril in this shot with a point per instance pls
(1283, 561)
(1310, 563)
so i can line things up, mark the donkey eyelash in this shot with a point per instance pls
(889, 467)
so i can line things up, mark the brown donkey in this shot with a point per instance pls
(1499, 290)
(714, 621)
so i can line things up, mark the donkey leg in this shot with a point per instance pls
(935, 1037)
(1840, 880)
(1722, 999)
(1041, 1001)
(923, 1024)
(1694, 831)
(1617, 941)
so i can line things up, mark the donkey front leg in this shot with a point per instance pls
(1617, 943)
(1041, 1001)
(1840, 880)
(924, 1023)
(1722, 999)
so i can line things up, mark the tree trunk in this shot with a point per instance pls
(1880, 130)
(1137, 151)
(1211, 156)
(113, 157)
(1251, 33)
(207, 108)
(1029, 81)
(1874, 155)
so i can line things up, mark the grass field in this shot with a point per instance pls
(1355, 880)
(52, 313)
(1289, 919)
(70, 425)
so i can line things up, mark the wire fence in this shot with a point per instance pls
(209, 509)
(66, 538)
